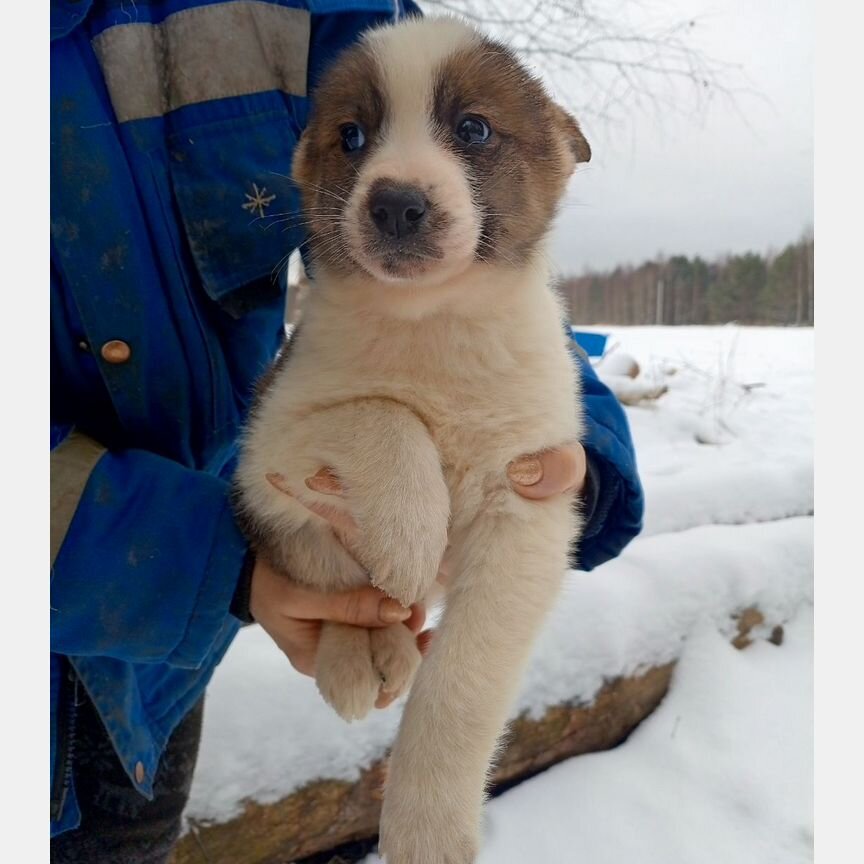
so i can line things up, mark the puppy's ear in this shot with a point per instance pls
(575, 140)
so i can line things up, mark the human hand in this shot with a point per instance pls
(534, 476)
(549, 473)
(292, 615)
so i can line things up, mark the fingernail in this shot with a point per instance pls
(385, 699)
(392, 611)
(325, 482)
(525, 472)
(277, 481)
(380, 780)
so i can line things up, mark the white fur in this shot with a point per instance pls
(408, 57)
(418, 396)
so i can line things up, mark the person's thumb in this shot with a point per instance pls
(365, 607)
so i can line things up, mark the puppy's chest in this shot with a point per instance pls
(484, 395)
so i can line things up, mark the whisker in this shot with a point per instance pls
(323, 191)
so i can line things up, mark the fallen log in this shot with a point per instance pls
(328, 813)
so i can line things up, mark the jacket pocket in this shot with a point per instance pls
(238, 205)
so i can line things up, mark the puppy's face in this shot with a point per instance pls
(430, 148)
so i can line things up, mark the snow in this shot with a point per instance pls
(728, 526)
(764, 467)
(721, 772)
(637, 611)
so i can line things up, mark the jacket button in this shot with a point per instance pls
(139, 772)
(116, 351)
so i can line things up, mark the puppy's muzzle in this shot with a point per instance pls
(398, 211)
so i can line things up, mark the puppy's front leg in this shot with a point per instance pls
(390, 469)
(507, 575)
(394, 488)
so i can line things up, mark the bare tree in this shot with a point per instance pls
(606, 58)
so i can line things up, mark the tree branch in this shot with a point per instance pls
(605, 59)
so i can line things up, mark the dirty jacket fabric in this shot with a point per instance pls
(172, 129)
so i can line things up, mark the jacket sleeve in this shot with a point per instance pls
(616, 500)
(148, 555)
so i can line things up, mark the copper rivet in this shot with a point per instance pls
(139, 772)
(116, 351)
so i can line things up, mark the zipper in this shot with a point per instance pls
(67, 717)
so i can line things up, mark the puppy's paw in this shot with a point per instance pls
(348, 681)
(396, 657)
(430, 836)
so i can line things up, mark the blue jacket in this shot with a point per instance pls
(159, 142)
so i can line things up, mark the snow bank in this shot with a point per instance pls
(267, 732)
(636, 612)
(761, 464)
(721, 772)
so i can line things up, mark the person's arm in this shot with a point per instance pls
(613, 498)
(149, 563)
(146, 555)
(601, 469)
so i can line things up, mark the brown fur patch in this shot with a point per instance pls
(350, 92)
(274, 370)
(519, 175)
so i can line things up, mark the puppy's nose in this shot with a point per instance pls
(397, 211)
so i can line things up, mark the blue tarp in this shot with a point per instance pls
(593, 344)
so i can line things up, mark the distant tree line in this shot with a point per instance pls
(748, 289)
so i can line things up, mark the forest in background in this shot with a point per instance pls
(748, 289)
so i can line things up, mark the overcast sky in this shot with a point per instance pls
(735, 182)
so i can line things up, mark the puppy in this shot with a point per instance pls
(432, 353)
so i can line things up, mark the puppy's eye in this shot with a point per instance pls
(353, 138)
(473, 130)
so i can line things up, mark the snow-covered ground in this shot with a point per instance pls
(721, 772)
(762, 467)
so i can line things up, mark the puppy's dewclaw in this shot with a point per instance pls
(433, 355)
